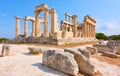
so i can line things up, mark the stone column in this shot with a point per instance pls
(94, 34)
(17, 26)
(65, 17)
(54, 23)
(37, 25)
(26, 27)
(74, 18)
(33, 28)
(46, 16)
(91, 30)
(87, 29)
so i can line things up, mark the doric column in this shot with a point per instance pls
(46, 15)
(94, 34)
(65, 17)
(33, 28)
(74, 18)
(37, 25)
(90, 30)
(17, 26)
(54, 23)
(87, 29)
(26, 27)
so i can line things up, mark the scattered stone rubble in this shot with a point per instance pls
(110, 49)
(69, 61)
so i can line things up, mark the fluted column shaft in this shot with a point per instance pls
(33, 28)
(26, 27)
(37, 25)
(46, 15)
(74, 18)
(17, 26)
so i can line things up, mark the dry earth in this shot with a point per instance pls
(21, 63)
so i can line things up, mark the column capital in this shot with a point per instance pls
(25, 19)
(74, 16)
(17, 17)
(52, 11)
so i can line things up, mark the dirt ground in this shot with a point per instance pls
(21, 63)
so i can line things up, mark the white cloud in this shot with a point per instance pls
(113, 24)
(3, 14)
(109, 28)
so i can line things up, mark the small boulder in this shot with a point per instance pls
(36, 50)
(61, 61)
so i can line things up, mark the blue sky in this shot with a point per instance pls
(106, 13)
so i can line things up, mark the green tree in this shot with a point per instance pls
(116, 37)
(101, 36)
(3, 39)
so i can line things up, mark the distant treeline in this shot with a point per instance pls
(4, 39)
(102, 36)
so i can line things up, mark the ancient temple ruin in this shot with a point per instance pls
(71, 31)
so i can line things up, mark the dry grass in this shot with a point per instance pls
(62, 46)
(115, 61)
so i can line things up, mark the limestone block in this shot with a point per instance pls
(61, 61)
(92, 50)
(84, 64)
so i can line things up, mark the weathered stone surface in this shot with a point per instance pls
(5, 50)
(85, 52)
(92, 50)
(83, 62)
(61, 61)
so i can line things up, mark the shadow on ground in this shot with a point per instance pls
(46, 69)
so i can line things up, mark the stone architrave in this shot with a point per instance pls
(26, 27)
(17, 26)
